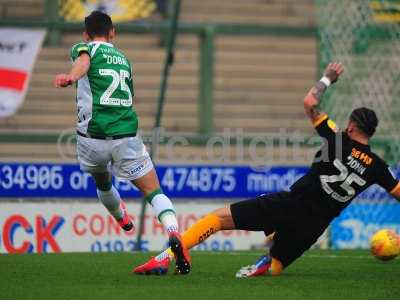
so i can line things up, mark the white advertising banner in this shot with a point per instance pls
(87, 227)
(18, 52)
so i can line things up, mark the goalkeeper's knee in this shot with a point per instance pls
(276, 267)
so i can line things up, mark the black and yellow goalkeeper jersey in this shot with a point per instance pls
(341, 170)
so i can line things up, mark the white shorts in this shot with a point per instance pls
(127, 158)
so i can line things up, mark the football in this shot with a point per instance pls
(385, 244)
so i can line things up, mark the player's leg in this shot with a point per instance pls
(265, 265)
(94, 157)
(213, 222)
(245, 215)
(132, 162)
(287, 246)
(219, 219)
(261, 214)
(163, 208)
(242, 214)
(109, 196)
(149, 185)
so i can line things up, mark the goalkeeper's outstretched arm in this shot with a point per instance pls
(313, 97)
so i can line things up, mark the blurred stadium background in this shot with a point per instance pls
(232, 126)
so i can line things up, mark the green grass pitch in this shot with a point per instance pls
(317, 275)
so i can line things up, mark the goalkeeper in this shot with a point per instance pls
(107, 128)
(343, 168)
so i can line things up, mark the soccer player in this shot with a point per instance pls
(107, 128)
(343, 168)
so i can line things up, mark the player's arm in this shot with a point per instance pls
(313, 97)
(396, 192)
(79, 69)
(388, 181)
(81, 63)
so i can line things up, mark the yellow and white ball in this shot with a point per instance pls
(385, 244)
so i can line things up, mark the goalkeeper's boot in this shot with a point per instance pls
(181, 254)
(155, 266)
(125, 222)
(261, 267)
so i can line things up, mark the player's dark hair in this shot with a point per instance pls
(365, 119)
(98, 24)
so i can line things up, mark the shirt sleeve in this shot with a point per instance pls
(78, 49)
(387, 180)
(325, 127)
